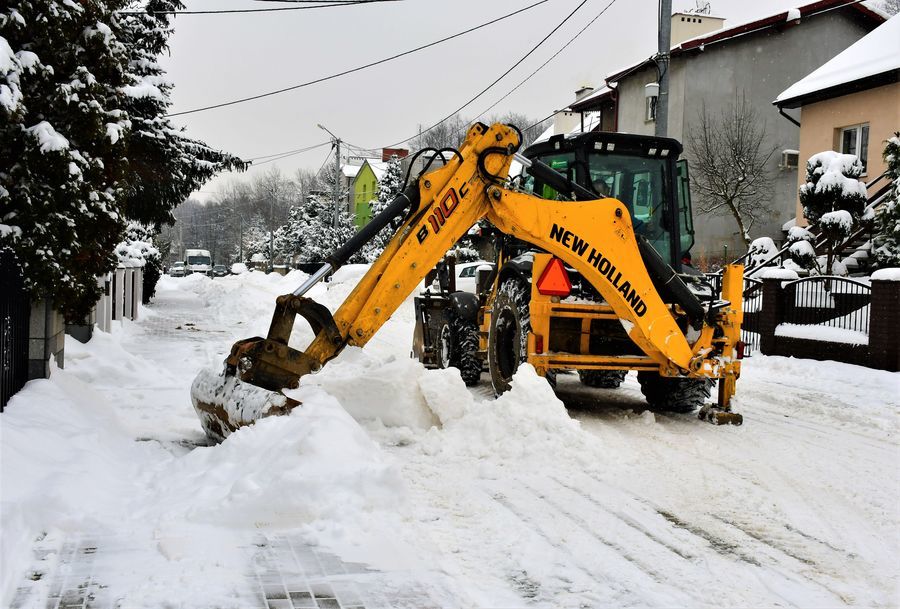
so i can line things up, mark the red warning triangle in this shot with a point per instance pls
(554, 280)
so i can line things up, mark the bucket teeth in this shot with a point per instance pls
(224, 403)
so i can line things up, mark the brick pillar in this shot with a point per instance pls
(770, 315)
(884, 325)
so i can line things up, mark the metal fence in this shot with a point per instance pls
(752, 308)
(15, 311)
(837, 302)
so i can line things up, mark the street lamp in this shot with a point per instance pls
(336, 142)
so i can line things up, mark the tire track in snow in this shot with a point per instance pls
(627, 520)
(580, 540)
(622, 593)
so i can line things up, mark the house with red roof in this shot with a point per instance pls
(712, 68)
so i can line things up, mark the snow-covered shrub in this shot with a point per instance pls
(833, 197)
(887, 227)
(762, 249)
(803, 255)
(138, 250)
(832, 183)
(84, 142)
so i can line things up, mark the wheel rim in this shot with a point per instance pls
(444, 346)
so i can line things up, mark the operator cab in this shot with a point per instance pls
(642, 172)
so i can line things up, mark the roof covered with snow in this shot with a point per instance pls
(867, 62)
(350, 171)
(750, 27)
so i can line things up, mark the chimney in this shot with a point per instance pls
(583, 92)
(690, 24)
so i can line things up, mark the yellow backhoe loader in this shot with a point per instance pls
(660, 326)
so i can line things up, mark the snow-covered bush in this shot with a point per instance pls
(833, 197)
(762, 250)
(887, 228)
(84, 145)
(803, 255)
(138, 250)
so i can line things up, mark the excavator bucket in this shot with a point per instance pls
(257, 369)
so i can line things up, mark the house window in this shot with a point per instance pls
(855, 140)
(651, 109)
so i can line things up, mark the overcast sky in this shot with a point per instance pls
(217, 58)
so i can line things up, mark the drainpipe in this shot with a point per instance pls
(787, 116)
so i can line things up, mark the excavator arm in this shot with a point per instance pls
(594, 237)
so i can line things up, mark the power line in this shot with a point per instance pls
(328, 4)
(541, 67)
(498, 79)
(359, 68)
(288, 152)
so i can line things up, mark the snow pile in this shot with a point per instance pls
(314, 464)
(833, 167)
(822, 333)
(238, 268)
(526, 421)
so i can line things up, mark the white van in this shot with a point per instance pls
(198, 261)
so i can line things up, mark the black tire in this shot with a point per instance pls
(508, 338)
(464, 351)
(674, 394)
(605, 379)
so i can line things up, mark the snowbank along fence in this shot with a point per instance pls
(831, 318)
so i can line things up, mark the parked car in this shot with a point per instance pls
(467, 275)
(178, 269)
(219, 270)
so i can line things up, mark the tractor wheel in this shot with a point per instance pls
(508, 338)
(606, 379)
(464, 350)
(674, 394)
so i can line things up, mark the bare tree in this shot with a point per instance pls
(729, 165)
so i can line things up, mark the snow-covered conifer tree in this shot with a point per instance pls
(833, 198)
(887, 233)
(388, 188)
(84, 145)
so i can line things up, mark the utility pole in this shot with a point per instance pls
(662, 65)
(337, 180)
(336, 189)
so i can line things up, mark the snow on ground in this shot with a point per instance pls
(395, 486)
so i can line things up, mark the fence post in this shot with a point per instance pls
(118, 293)
(129, 293)
(884, 325)
(770, 314)
(138, 291)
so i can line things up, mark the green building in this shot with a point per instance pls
(365, 188)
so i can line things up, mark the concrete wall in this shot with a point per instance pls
(758, 66)
(821, 122)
